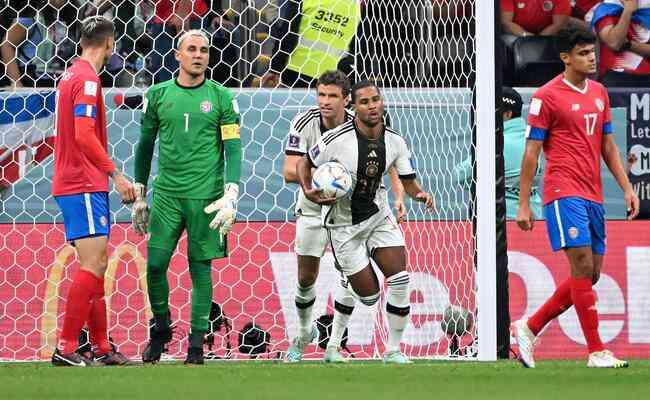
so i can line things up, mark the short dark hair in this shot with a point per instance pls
(95, 30)
(337, 78)
(362, 85)
(572, 36)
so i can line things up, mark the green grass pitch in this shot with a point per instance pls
(313, 381)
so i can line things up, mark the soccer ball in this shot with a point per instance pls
(456, 321)
(333, 179)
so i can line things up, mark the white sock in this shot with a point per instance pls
(305, 298)
(343, 307)
(397, 309)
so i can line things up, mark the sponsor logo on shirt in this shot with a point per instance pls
(535, 106)
(600, 105)
(294, 141)
(206, 106)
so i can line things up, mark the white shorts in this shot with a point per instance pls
(353, 245)
(311, 237)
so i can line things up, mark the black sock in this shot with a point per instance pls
(196, 339)
(162, 322)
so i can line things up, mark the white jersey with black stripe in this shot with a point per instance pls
(305, 131)
(368, 161)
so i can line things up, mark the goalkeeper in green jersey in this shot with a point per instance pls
(199, 157)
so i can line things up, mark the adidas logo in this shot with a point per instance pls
(372, 154)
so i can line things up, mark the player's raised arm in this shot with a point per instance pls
(144, 152)
(230, 136)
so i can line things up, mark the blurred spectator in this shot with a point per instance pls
(312, 37)
(582, 11)
(623, 28)
(514, 145)
(171, 17)
(39, 42)
(534, 17)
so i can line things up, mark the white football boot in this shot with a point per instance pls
(605, 359)
(526, 342)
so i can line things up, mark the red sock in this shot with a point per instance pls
(558, 303)
(77, 307)
(97, 325)
(584, 299)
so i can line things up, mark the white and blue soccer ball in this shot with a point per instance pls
(333, 179)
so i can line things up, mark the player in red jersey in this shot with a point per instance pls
(80, 187)
(570, 118)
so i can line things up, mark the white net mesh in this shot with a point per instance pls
(421, 51)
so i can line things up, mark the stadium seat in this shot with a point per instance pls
(535, 61)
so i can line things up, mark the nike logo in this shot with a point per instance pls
(79, 364)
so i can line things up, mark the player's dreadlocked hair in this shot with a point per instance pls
(337, 78)
(95, 30)
(572, 36)
(362, 85)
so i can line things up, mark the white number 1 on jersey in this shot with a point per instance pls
(187, 121)
(590, 123)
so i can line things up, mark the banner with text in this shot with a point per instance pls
(258, 284)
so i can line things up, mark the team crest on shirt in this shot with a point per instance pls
(521, 5)
(575, 107)
(548, 5)
(206, 106)
(103, 221)
(600, 105)
(372, 168)
(573, 232)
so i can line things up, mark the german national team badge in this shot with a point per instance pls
(573, 232)
(206, 106)
(372, 169)
(600, 105)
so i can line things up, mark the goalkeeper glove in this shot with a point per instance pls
(227, 206)
(140, 210)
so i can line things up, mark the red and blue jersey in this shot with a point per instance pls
(81, 163)
(571, 122)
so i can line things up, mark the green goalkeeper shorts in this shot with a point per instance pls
(170, 215)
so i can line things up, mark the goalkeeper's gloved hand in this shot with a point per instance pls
(227, 206)
(140, 210)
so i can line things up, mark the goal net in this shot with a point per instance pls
(420, 52)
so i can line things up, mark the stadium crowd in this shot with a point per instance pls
(253, 41)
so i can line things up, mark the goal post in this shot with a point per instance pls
(434, 62)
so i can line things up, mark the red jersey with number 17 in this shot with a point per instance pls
(79, 105)
(571, 122)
